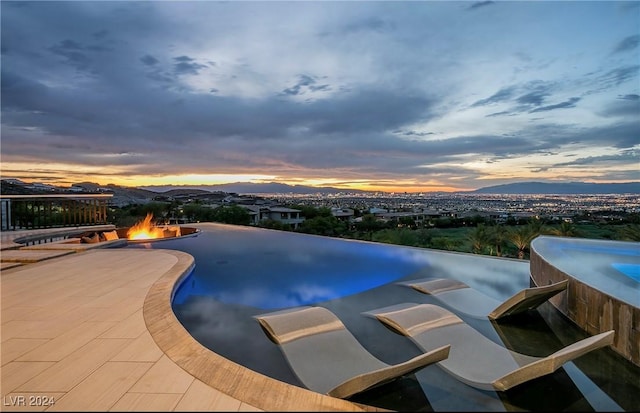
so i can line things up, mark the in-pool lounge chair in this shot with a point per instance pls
(461, 297)
(327, 358)
(474, 359)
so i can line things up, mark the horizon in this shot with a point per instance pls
(405, 97)
(213, 187)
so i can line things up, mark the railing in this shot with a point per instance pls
(19, 212)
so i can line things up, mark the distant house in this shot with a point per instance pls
(74, 188)
(343, 214)
(39, 186)
(287, 216)
(418, 218)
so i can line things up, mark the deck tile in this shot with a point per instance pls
(149, 402)
(200, 397)
(16, 347)
(17, 373)
(164, 377)
(72, 370)
(103, 388)
(142, 348)
(65, 344)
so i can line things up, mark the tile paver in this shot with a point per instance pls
(16, 347)
(103, 388)
(150, 402)
(26, 256)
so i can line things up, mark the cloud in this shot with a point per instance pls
(571, 103)
(73, 53)
(305, 84)
(480, 4)
(625, 106)
(370, 24)
(624, 157)
(149, 60)
(500, 96)
(187, 65)
(346, 90)
(627, 44)
(503, 113)
(620, 75)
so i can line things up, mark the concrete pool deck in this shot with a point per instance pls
(93, 331)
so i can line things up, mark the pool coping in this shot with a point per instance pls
(216, 371)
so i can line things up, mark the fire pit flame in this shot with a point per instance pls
(146, 230)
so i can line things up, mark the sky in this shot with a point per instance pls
(392, 96)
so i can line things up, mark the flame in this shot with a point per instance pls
(145, 230)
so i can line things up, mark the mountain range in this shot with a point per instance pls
(513, 188)
(256, 188)
(575, 188)
(138, 194)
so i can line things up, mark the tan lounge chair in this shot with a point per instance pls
(327, 358)
(459, 296)
(474, 359)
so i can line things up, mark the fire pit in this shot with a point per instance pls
(145, 231)
(142, 232)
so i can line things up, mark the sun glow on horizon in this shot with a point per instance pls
(67, 175)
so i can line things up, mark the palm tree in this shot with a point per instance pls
(522, 236)
(536, 227)
(498, 237)
(629, 232)
(479, 238)
(566, 229)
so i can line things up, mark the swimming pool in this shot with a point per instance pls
(241, 272)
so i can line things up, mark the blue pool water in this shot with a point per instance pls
(612, 268)
(259, 272)
(630, 270)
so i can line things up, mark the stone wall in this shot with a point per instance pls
(592, 310)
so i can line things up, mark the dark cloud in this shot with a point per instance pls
(370, 24)
(503, 113)
(73, 53)
(101, 34)
(571, 103)
(149, 60)
(613, 166)
(187, 66)
(500, 96)
(624, 157)
(535, 98)
(627, 44)
(480, 4)
(413, 133)
(627, 105)
(305, 84)
(617, 76)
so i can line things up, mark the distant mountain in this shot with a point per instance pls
(254, 188)
(561, 188)
(122, 195)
